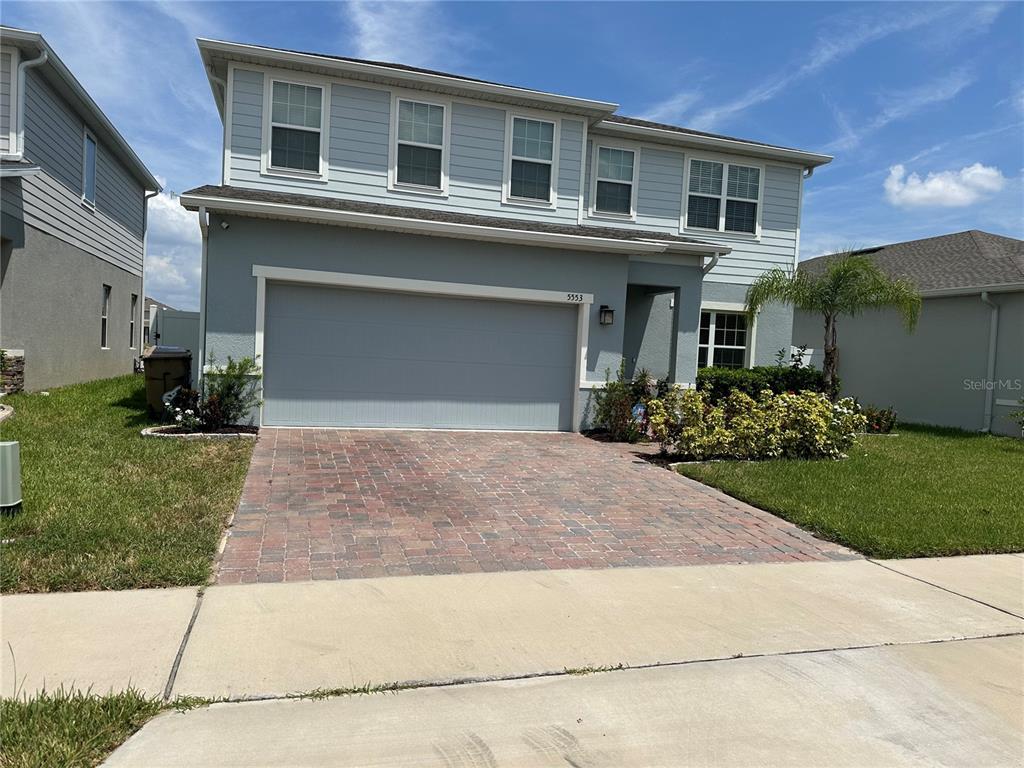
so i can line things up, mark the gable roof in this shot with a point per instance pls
(444, 223)
(947, 263)
(31, 45)
(600, 113)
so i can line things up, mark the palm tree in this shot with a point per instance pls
(848, 285)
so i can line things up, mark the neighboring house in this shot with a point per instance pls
(964, 365)
(177, 328)
(73, 224)
(151, 308)
(408, 248)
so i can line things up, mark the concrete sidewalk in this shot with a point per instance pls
(955, 704)
(275, 639)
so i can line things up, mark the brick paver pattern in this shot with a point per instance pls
(334, 504)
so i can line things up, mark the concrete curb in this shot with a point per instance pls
(160, 432)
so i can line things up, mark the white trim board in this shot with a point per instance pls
(584, 302)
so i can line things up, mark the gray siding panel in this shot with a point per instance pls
(53, 133)
(338, 357)
(6, 65)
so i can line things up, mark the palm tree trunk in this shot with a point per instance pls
(831, 364)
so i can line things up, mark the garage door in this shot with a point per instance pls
(355, 358)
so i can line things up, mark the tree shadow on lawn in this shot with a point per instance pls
(137, 410)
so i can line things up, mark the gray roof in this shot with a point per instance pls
(623, 120)
(426, 214)
(972, 259)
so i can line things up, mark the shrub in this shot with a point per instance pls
(228, 396)
(718, 383)
(616, 404)
(804, 425)
(880, 421)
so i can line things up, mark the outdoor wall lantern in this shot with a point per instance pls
(606, 315)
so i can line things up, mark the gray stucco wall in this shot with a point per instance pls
(937, 375)
(51, 294)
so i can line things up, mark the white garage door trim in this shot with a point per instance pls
(432, 287)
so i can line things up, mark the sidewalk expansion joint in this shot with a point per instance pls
(395, 687)
(181, 648)
(947, 589)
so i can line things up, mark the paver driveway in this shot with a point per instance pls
(329, 503)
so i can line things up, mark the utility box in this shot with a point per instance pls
(10, 476)
(165, 369)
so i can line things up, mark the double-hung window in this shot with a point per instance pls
(531, 160)
(615, 181)
(723, 196)
(722, 341)
(131, 321)
(104, 316)
(419, 150)
(89, 169)
(296, 125)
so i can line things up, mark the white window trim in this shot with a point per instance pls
(108, 295)
(133, 303)
(12, 129)
(733, 308)
(446, 140)
(506, 178)
(726, 161)
(88, 135)
(266, 169)
(584, 302)
(593, 212)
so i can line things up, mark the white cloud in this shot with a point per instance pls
(174, 251)
(945, 189)
(415, 33)
(672, 109)
(900, 105)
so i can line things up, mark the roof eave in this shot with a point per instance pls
(796, 156)
(139, 169)
(440, 228)
(587, 107)
(972, 290)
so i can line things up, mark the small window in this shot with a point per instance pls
(89, 170)
(131, 321)
(531, 160)
(614, 188)
(420, 145)
(296, 119)
(723, 197)
(104, 316)
(722, 340)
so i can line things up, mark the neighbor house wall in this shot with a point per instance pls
(51, 296)
(935, 375)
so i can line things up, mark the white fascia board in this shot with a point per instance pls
(589, 107)
(15, 172)
(973, 290)
(734, 146)
(110, 133)
(440, 228)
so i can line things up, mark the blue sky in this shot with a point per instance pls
(921, 103)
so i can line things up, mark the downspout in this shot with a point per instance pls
(711, 264)
(808, 171)
(204, 228)
(145, 252)
(41, 59)
(993, 334)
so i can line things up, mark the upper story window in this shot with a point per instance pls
(296, 125)
(615, 181)
(420, 145)
(89, 169)
(723, 340)
(531, 160)
(723, 196)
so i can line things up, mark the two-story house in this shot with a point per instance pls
(72, 223)
(408, 248)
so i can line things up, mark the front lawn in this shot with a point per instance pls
(69, 729)
(924, 492)
(103, 507)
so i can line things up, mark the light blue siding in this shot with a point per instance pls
(51, 200)
(6, 65)
(357, 153)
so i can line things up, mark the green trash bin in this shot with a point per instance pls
(165, 368)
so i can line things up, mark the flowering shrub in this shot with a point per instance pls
(622, 405)
(791, 425)
(879, 420)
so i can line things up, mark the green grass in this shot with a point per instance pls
(70, 729)
(923, 492)
(103, 507)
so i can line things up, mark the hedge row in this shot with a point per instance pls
(719, 382)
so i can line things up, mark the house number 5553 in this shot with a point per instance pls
(575, 298)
